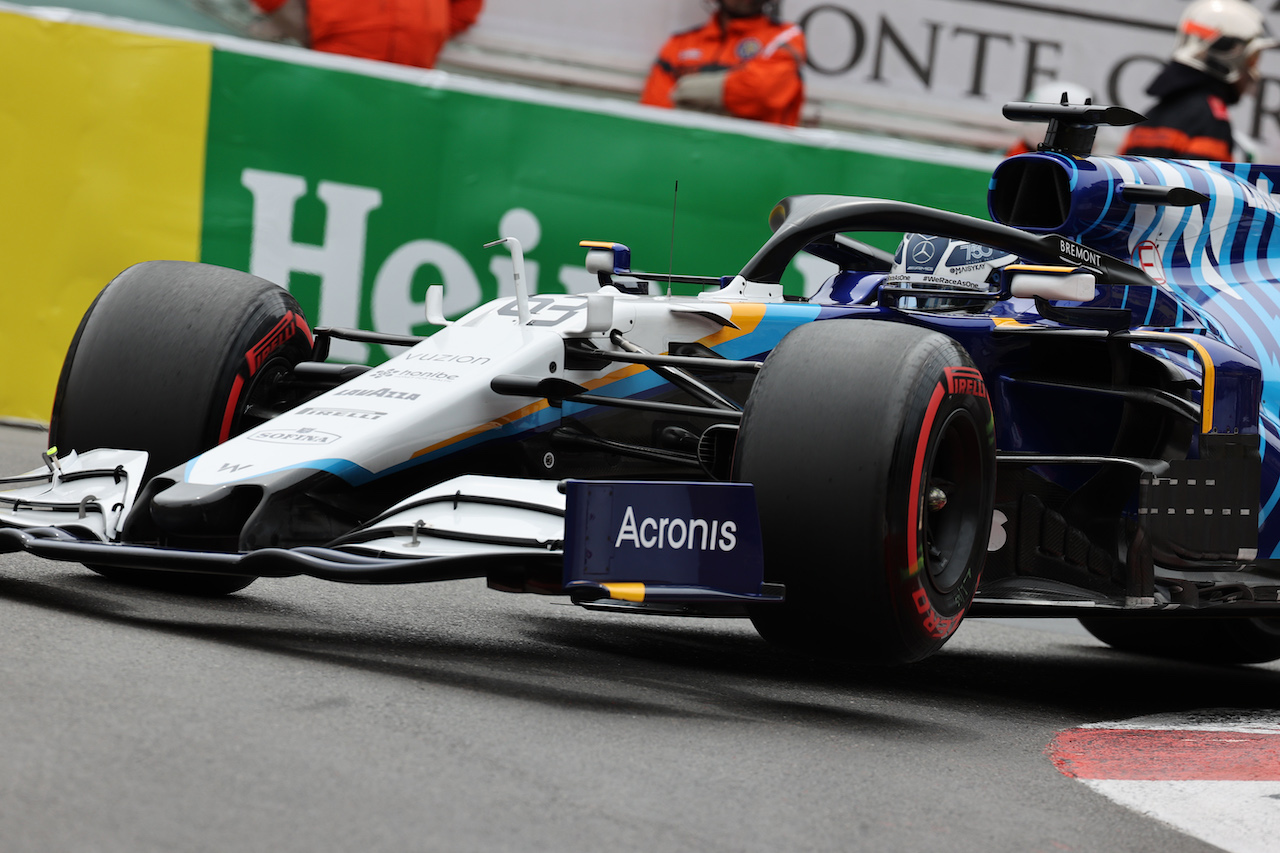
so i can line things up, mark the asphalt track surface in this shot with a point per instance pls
(305, 716)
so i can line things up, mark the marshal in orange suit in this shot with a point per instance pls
(408, 32)
(742, 62)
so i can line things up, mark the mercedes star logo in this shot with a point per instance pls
(923, 252)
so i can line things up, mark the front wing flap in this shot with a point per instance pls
(90, 492)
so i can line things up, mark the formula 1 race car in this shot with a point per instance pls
(1070, 410)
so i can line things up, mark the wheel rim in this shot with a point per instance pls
(265, 397)
(951, 503)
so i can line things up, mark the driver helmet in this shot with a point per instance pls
(747, 10)
(943, 263)
(1221, 38)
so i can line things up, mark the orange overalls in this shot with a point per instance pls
(763, 58)
(409, 32)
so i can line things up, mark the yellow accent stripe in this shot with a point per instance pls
(1012, 323)
(496, 423)
(614, 376)
(596, 244)
(625, 591)
(745, 316)
(1206, 394)
(512, 417)
(1210, 372)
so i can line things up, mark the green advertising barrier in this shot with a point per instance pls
(357, 184)
(359, 192)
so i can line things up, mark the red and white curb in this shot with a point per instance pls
(1214, 775)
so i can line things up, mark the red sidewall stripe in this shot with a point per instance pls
(915, 562)
(233, 401)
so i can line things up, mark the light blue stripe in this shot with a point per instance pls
(1106, 208)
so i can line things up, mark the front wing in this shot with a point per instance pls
(686, 546)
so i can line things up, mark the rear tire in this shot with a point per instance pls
(174, 358)
(849, 428)
(1192, 639)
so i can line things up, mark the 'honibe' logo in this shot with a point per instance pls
(694, 534)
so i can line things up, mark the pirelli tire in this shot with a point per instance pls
(1195, 639)
(173, 358)
(871, 448)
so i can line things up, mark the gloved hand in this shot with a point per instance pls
(702, 91)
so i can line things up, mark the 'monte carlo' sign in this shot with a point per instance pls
(971, 56)
(941, 60)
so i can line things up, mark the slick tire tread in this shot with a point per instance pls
(832, 440)
(162, 362)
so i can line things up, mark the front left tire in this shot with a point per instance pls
(173, 358)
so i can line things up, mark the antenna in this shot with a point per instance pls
(671, 258)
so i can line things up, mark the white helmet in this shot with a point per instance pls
(941, 263)
(1220, 37)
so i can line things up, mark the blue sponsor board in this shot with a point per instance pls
(673, 534)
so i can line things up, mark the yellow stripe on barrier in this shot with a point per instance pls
(102, 142)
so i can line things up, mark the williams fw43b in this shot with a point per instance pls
(1069, 410)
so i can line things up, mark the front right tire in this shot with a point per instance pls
(871, 449)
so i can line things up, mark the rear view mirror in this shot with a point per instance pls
(1063, 284)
